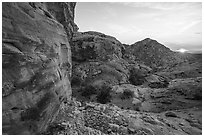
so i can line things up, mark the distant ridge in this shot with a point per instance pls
(152, 53)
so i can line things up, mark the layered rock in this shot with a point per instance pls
(95, 46)
(98, 60)
(36, 64)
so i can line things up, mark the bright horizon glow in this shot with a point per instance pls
(182, 50)
(173, 24)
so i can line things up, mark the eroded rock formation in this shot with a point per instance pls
(97, 59)
(36, 64)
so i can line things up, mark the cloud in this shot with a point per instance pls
(198, 33)
(193, 23)
(162, 5)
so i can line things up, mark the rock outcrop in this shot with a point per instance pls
(36, 64)
(97, 60)
(95, 46)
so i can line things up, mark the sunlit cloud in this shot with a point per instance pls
(161, 5)
(188, 26)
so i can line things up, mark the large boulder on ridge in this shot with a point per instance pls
(36, 64)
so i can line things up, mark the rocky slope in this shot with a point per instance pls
(59, 81)
(97, 60)
(150, 89)
(36, 66)
(190, 68)
(77, 118)
(152, 53)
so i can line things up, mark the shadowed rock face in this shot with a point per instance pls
(36, 64)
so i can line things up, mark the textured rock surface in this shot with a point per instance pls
(97, 60)
(191, 68)
(180, 94)
(95, 46)
(99, 73)
(99, 119)
(36, 64)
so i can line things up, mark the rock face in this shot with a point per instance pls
(95, 46)
(97, 60)
(36, 64)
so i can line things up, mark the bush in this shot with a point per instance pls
(76, 81)
(198, 94)
(136, 77)
(88, 91)
(127, 94)
(104, 95)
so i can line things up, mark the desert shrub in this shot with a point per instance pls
(136, 77)
(104, 95)
(88, 91)
(198, 94)
(127, 94)
(76, 81)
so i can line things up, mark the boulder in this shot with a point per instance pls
(156, 81)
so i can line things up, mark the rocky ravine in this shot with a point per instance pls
(60, 81)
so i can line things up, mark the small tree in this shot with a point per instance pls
(127, 94)
(104, 95)
(88, 91)
(136, 77)
(76, 81)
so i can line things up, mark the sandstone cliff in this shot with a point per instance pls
(36, 64)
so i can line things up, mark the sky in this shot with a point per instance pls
(175, 24)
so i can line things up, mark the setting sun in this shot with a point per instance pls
(182, 50)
